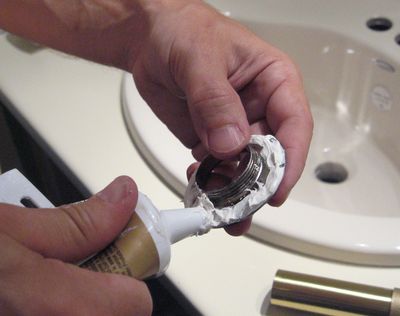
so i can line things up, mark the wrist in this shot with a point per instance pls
(102, 31)
(126, 25)
(165, 19)
(153, 8)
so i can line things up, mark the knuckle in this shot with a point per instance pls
(309, 121)
(133, 297)
(209, 104)
(82, 226)
(146, 305)
(51, 305)
(287, 69)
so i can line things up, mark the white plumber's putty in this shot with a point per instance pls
(273, 153)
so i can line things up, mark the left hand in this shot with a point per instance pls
(37, 244)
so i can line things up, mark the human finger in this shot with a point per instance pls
(216, 110)
(289, 117)
(72, 232)
(276, 95)
(35, 285)
(171, 109)
(240, 228)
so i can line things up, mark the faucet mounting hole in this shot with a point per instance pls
(379, 24)
(331, 172)
(397, 39)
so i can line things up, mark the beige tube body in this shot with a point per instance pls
(134, 253)
(143, 249)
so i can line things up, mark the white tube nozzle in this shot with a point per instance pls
(185, 222)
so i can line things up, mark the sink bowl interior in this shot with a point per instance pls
(354, 160)
(346, 205)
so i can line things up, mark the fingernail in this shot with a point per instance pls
(116, 191)
(225, 139)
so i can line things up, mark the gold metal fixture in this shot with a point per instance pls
(332, 297)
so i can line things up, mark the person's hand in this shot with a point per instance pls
(36, 243)
(214, 83)
(208, 78)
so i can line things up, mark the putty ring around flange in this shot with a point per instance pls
(261, 173)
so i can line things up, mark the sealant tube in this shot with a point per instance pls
(143, 249)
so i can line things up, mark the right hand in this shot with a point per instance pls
(36, 244)
(214, 83)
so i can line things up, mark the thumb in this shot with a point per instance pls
(216, 110)
(72, 232)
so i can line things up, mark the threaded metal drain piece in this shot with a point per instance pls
(228, 182)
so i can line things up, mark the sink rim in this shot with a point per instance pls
(282, 221)
(369, 244)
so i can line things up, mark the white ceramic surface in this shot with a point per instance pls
(351, 75)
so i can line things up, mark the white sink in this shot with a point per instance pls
(352, 79)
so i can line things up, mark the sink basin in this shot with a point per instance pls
(352, 90)
(346, 206)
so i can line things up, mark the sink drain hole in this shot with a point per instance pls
(331, 172)
(379, 24)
